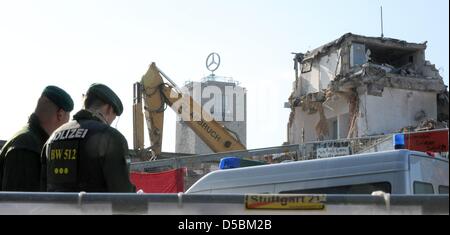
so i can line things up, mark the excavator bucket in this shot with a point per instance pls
(154, 106)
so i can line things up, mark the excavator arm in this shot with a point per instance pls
(157, 95)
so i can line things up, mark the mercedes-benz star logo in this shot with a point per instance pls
(213, 62)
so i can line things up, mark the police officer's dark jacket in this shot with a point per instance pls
(20, 163)
(88, 155)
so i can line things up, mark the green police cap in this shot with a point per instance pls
(106, 95)
(59, 97)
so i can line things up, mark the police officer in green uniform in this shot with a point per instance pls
(87, 154)
(20, 164)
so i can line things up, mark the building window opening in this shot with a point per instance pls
(402, 61)
(307, 66)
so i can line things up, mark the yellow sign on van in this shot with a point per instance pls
(285, 202)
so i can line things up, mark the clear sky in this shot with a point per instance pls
(73, 44)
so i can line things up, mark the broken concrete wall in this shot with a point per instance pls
(337, 109)
(310, 82)
(329, 67)
(430, 71)
(344, 124)
(419, 59)
(396, 108)
(323, 70)
(303, 126)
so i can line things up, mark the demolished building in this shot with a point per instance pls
(360, 86)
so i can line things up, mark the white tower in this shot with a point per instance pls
(224, 99)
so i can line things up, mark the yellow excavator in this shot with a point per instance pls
(157, 95)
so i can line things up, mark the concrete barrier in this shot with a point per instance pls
(185, 204)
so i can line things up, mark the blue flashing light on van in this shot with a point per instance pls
(399, 141)
(229, 163)
(235, 162)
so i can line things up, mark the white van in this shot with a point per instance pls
(395, 172)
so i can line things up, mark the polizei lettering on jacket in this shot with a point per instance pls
(209, 130)
(77, 133)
